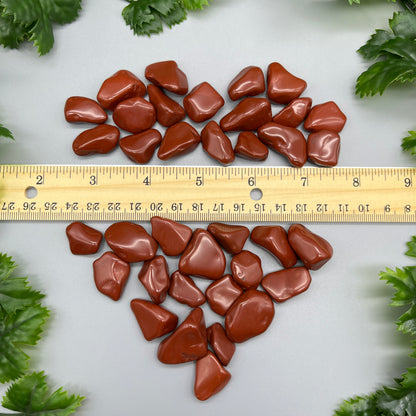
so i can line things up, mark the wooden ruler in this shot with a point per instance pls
(227, 194)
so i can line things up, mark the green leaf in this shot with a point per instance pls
(22, 328)
(29, 396)
(12, 34)
(4, 132)
(403, 25)
(409, 379)
(374, 46)
(194, 4)
(409, 143)
(175, 17)
(358, 406)
(404, 282)
(397, 401)
(412, 243)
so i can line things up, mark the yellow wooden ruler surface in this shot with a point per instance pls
(233, 194)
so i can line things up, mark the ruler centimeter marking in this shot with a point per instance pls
(227, 194)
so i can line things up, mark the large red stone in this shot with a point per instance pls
(167, 75)
(154, 276)
(231, 237)
(82, 109)
(100, 139)
(248, 82)
(217, 144)
(184, 290)
(325, 116)
(246, 269)
(222, 293)
(140, 147)
(224, 349)
(82, 238)
(294, 113)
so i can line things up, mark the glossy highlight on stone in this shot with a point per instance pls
(274, 239)
(120, 86)
(288, 141)
(184, 290)
(222, 293)
(313, 250)
(100, 139)
(134, 115)
(210, 377)
(179, 139)
(325, 116)
(154, 321)
(223, 348)
(154, 276)
(248, 82)
(231, 237)
(130, 241)
(82, 238)
(168, 111)
(217, 144)
(323, 147)
(188, 342)
(140, 147)
(249, 146)
(111, 274)
(167, 75)
(172, 236)
(284, 284)
(203, 257)
(246, 269)
(294, 113)
(202, 103)
(282, 86)
(249, 114)
(250, 315)
(82, 109)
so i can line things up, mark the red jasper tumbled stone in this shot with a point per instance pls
(323, 147)
(210, 377)
(140, 147)
(134, 115)
(294, 113)
(188, 342)
(184, 290)
(313, 250)
(120, 86)
(325, 116)
(246, 269)
(224, 349)
(179, 139)
(217, 144)
(167, 75)
(250, 315)
(284, 284)
(231, 237)
(82, 238)
(282, 86)
(249, 146)
(154, 276)
(202, 102)
(82, 109)
(111, 274)
(130, 241)
(154, 321)
(248, 82)
(100, 139)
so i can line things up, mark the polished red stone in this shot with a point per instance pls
(140, 147)
(249, 146)
(210, 377)
(250, 315)
(284, 284)
(111, 274)
(134, 115)
(249, 114)
(168, 111)
(323, 147)
(246, 269)
(154, 321)
(282, 86)
(248, 82)
(203, 257)
(82, 109)
(202, 102)
(100, 139)
(288, 141)
(120, 86)
(179, 139)
(231, 237)
(172, 236)
(294, 113)
(217, 144)
(223, 348)
(167, 75)
(154, 276)
(274, 239)
(325, 116)
(222, 293)
(188, 342)
(313, 250)
(82, 238)
(130, 241)
(184, 290)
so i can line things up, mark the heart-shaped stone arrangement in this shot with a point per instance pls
(259, 130)
(244, 300)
